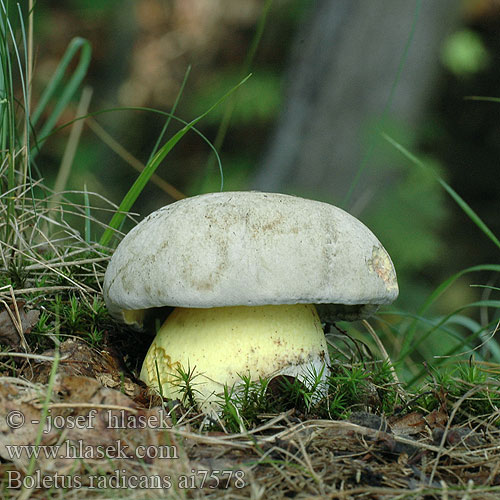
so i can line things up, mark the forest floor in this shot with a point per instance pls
(98, 433)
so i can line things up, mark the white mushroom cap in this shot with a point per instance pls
(249, 248)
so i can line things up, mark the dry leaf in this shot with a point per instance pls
(409, 424)
(456, 436)
(437, 418)
(9, 334)
(78, 359)
(88, 427)
(104, 365)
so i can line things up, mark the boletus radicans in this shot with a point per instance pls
(251, 276)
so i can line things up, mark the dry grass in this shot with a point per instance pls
(285, 458)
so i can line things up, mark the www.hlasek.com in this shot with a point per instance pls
(120, 479)
(78, 450)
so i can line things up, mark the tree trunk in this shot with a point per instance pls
(344, 64)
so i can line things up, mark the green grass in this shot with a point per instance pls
(470, 334)
(367, 386)
(151, 166)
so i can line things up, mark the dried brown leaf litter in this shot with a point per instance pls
(15, 321)
(94, 439)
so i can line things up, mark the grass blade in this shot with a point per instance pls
(456, 197)
(136, 189)
(483, 98)
(481, 333)
(7, 108)
(447, 283)
(86, 202)
(26, 88)
(129, 158)
(71, 146)
(76, 45)
(133, 108)
(409, 334)
(231, 103)
(169, 118)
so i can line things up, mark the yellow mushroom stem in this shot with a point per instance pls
(221, 344)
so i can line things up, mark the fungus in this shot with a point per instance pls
(248, 273)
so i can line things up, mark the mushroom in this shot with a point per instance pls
(250, 275)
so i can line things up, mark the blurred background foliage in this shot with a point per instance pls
(142, 50)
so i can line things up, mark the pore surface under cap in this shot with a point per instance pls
(248, 248)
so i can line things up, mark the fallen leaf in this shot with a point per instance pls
(9, 333)
(102, 364)
(437, 418)
(409, 424)
(86, 425)
(456, 436)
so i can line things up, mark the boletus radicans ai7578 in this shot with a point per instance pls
(251, 276)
